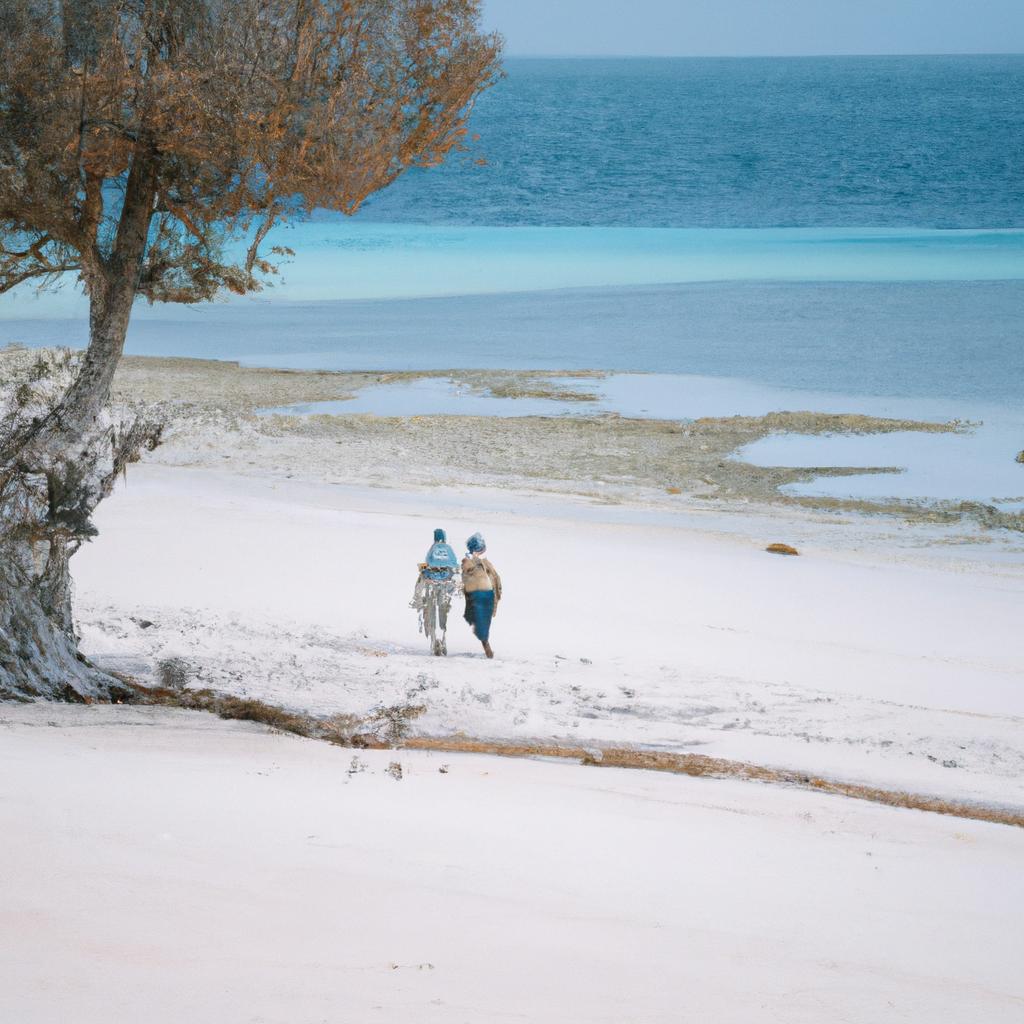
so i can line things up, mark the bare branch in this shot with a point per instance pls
(252, 253)
(9, 281)
(120, 129)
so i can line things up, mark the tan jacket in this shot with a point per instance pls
(479, 574)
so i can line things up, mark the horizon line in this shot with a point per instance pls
(756, 56)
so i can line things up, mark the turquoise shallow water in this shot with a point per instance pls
(359, 260)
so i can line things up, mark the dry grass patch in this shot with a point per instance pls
(382, 728)
(702, 766)
(247, 710)
(389, 727)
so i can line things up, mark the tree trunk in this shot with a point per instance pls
(56, 476)
(39, 655)
(52, 487)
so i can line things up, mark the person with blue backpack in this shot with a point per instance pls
(436, 585)
(482, 587)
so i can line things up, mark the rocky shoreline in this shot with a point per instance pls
(212, 409)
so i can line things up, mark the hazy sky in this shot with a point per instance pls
(738, 27)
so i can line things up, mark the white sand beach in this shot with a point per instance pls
(211, 872)
(290, 880)
(856, 660)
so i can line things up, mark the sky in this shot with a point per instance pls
(748, 27)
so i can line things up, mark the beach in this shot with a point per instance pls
(273, 557)
(711, 752)
(721, 356)
(210, 871)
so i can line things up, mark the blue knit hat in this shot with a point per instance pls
(476, 545)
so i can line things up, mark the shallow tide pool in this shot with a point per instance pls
(977, 464)
(974, 466)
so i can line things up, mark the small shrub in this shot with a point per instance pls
(393, 724)
(40, 369)
(340, 729)
(174, 673)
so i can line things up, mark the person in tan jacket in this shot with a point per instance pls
(482, 586)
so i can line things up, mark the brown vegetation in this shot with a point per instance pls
(383, 727)
(387, 728)
(702, 766)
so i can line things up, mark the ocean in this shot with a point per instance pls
(742, 143)
(849, 226)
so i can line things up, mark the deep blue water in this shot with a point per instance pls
(759, 142)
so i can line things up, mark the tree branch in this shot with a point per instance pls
(252, 254)
(7, 282)
(99, 122)
(176, 210)
(20, 265)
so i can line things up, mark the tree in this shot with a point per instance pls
(139, 140)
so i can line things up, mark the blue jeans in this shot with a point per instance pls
(479, 612)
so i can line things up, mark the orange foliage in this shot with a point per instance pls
(182, 124)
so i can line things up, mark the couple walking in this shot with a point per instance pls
(437, 584)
